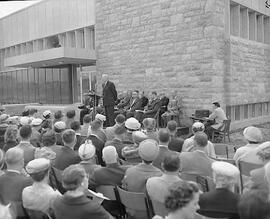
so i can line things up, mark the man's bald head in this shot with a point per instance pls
(104, 78)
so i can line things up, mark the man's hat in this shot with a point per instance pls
(37, 165)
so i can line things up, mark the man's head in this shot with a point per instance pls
(58, 115)
(129, 93)
(197, 127)
(49, 138)
(32, 111)
(163, 136)
(87, 119)
(171, 163)
(96, 125)
(154, 95)
(75, 125)
(47, 114)
(216, 105)
(87, 151)
(25, 132)
(109, 155)
(120, 132)
(148, 150)
(59, 126)
(135, 94)
(38, 169)
(171, 127)
(225, 175)
(200, 140)
(149, 124)
(70, 114)
(104, 78)
(14, 159)
(120, 119)
(69, 138)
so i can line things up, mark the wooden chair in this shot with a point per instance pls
(19, 210)
(221, 150)
(135, 203)
(225, 132)
(108, 191)
(201, 180)
(157, 208)
(245, 168)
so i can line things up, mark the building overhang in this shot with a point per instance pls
(52, 57)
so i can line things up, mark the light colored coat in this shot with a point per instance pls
(219, 115)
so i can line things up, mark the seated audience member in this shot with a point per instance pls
(109, 131)
(197, 161)
(174, 107)
(117, 141)
(175, 143)
(3, 128)
(86, 125)
(5, 212)
(164, 139)
(136, 176)
(2, 162)
(58, 128)
(32, 113)
(96, 140)
(40, 195)
(222, 201)
(135, 104)
(74, 203)
(254, 205)
(112, 173)
(182, 201)
(131, 152)
(101, 118)
(36, 137)
(125, 102)
(258, 179)
(131, 125)
(164, 102)
(170, 167)
(12, 182)
(215, 119)
(149, 125)
(76, 126)
(188, 145)
(58, 116)
(87, 153)
(11, 137)
(25, 145)
(65, 155)
(254, 137)
(70, 117)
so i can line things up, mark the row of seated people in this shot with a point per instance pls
(145, 154)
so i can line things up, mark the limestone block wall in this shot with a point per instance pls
(164, 45)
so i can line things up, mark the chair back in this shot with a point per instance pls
(222, 150)
(246, 167)
(158, 208)
(201, 180)
(33, 214)
(134, 201)
(227, 125)
(108, 191)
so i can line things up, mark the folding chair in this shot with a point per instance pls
(245, 168)
(201, 180)
(136, 203)
(225, 132)
(156, 207)
(221, 150)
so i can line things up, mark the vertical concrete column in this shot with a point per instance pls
(73, 83)
(244, 24)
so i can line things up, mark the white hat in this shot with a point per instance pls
(87, 150)
(36, 122)
(45, 152)
(60, 125)
(101, 117)
(3, 117)
(253, 134)
(109, 154)
(46, 113)
(25, 120)
(198, 126)
(138, 137)
(132, 124)
(148, 150)
(225, 169)
(37, 165)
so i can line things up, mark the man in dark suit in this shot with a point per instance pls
(12, 182)
(175, 143)
(135, 104)
(164, 101)
(197, 161)
(65, 155)
(109, 99)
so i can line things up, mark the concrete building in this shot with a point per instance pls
(207, 50)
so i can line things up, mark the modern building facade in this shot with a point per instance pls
(207, 50)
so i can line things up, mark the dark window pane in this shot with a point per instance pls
(65, 86)
(258, 109)
(9, 87)
(1, 87)
(246, 111)
(14, 87)
(42, 85)
(237, 113)
(253, 110)
(56, 85)
(37, 85)
(49, 85)
(32, 86)
(228, 112)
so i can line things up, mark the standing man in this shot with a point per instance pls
(109, 99)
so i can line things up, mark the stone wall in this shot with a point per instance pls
(249, 79)
(164, 45)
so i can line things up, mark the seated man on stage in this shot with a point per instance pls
(124, 103)
(164, 101)
(215, 120)
(152, 108)
(135, 104)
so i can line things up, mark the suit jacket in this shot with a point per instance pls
(12, 185)
(219, 203)
(35, 138)
(164, 103)
(99, 145)
(176, 144)
(153, 107)
(125, 102)
(136, 105)
(196, 162)
(65, 156)
(109, 94)
(112, 174)
(66, 207)
(109, 132)
(163, 151)
(28, 151)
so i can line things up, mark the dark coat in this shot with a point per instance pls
(137, 105)
(109, 94)
(65, 156)
(125, 102)
(153, 107)
(99, 145)
(163, 151)
(65, 207)
(219, 203)
(12, 185)
(176, 144)
(164, 104)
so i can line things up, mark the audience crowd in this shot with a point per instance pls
(53, 165)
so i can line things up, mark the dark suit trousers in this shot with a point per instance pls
(109, 112)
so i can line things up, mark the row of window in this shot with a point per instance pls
(248, 111)
(50, 86)
(249, 24)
